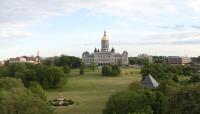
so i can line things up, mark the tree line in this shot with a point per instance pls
(63, 60)
(166, 71)
(46, 76)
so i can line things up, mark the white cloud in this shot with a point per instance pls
(26, 12)
(175, 38)
(154, 38)
(193, 4)
(132, 8)
(122, 23)
(17, 15)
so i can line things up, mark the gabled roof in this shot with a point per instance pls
(150, 82)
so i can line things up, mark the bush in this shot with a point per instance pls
(113, 70)
(135, 86)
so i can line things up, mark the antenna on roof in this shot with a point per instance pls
(38, 53)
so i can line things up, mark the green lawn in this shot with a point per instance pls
(91, 91)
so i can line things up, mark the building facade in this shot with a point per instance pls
(177, 60)
(195, 60)
(146, 56)
(25, 59)
(105, 56)
(1, 63)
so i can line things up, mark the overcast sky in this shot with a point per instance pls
(55, 27)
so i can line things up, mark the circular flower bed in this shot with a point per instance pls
(61, 102)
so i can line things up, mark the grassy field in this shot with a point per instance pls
(91, 91)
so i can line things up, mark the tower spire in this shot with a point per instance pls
(105, 42)
(104, 32)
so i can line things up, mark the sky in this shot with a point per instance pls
(55, 27)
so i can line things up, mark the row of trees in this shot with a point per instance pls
(145, 61)
(165, 71)
(138, 61)
(46, 76)
(63, 60)
(168, 98)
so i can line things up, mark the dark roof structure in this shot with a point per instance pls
(149, 82)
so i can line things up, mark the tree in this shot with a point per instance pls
(135, 102)
(175, 78)
(158, 59)
(188, 71)
(168, 87)
(10, 83)
(65, 60)
(16, 68)
(55, 77)
(29, 75)
(185, 101)
(16, 99)
(67, 69)
(36, 89)
(4, 71)
(138, 61)
(195, 78)
(82, 69)
(165, 71)
(50, 76)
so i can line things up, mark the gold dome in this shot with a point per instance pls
(105, 37)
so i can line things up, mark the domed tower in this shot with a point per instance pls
(105, 43)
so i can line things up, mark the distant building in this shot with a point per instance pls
(1, 63)
(146, 56)
(105, 56)
(177, 60)
(195, 60)
(25, 59)
(149, 82)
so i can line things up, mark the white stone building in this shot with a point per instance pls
(105, 56)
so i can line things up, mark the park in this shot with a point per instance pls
(91, 91)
